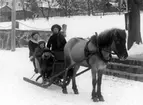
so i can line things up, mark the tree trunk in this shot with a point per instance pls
(66, 7)
(92, 7)
(88, 3)
(134, 23)
(42, 11)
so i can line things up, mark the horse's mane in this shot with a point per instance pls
(105, 38)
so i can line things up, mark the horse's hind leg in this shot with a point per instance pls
(94, 94)
(67, 64)
(99, 81)
(64, 87)
(74, 86)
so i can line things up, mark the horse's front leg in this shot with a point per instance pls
(74, 86)
(94, 94)
(99, 82)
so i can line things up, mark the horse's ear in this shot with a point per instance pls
(96, 33)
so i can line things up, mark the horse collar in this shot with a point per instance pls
(99, 50)
(88, 53)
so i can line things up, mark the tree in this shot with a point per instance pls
(24, 8)
(63, 4)
(28, 5)
(134, 22)
(69, 6)
(89, 7)
(33, 7)
(2, 2)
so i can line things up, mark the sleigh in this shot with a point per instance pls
(57, 74)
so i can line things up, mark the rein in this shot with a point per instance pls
(68, 68)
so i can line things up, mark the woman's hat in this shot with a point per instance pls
(56, 26)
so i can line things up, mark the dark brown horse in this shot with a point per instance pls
(94, 53)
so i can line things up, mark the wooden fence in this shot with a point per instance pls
(22, 37)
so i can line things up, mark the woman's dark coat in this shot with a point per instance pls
(56, 42)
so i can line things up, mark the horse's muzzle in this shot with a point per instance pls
(124, 57)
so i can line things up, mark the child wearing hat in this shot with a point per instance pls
(33, 44)
(57, 41)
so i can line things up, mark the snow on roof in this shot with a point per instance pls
(18, 7)
(2, 6)
(46, 4)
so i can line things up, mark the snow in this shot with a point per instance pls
(15, 65)
(15, 91)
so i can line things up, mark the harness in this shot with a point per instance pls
(98, 52)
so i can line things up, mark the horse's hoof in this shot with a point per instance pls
(101, 99)
(65, 91)
(95, 99)
(76, 92)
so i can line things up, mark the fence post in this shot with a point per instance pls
(13, 26)
(64, 27)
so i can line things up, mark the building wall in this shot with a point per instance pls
(5, 14)
(20, 15)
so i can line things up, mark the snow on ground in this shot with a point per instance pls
(15, 65)
(14, 91)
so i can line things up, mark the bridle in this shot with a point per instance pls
(99, 50)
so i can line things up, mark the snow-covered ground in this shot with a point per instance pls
(15, 65)
(14, 91)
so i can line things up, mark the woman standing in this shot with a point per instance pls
(57, 41)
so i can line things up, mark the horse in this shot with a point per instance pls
(94, 53)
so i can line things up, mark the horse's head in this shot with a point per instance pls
(119, 44)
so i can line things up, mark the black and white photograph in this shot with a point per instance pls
(71, 52)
